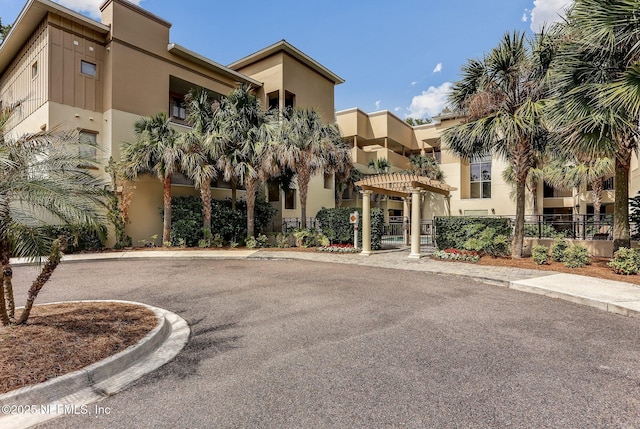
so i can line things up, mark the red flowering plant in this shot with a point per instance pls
(338, 248)
(452, 254)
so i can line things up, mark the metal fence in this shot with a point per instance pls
(581, 227)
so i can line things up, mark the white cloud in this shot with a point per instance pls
(546, 12)
(430, 102)
(414, 83)
(91, 7)
(397, 109)
(525, 15)
(378, 104)
(438, 68)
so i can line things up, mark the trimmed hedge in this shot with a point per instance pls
(186, 219)
(454, 232)
(334, 223)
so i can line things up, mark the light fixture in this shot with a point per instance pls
(493, 211)
(460, 211)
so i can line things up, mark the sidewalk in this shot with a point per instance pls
(611, 296)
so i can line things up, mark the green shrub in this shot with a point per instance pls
(335, 225)
(454, 231)
(559, 246)
(186, 219)
(486, 241)
(540, 255)
(79, 238)
(576, 256)
(310, 238)
(258, 242)
(282, 240)
(543, 231)
(625, 261)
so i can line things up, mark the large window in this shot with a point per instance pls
(480, 178)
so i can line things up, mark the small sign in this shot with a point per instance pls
(353, 217)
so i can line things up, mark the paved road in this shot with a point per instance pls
(308, 344)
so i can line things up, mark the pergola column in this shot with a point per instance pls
(416, 211)
(405, 220)
(366, 223)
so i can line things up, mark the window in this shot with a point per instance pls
(273, 100)
(289, 100)
(480, 178)
(34, 69)
(290, 199)
(273, 191)
(328, 181)
(87, 68)
(177, 108)
(88, 145)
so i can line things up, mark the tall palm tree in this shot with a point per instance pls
(43, 180)
(502, 97)
(306, 146)
(200, 150)
(156, 152)
(246, 131)
(597, 98)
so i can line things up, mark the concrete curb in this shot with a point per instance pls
(71, 393)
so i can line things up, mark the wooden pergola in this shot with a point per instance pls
(406, 186)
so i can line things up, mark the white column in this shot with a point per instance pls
(405, 221)
(366, 223)
(416, 210)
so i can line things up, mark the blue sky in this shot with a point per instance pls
(400, 56)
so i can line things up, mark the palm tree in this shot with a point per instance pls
(246, 132)
(199, 150)
(156, 152)
(306, 147)
(502, 97)
(572, 174)
(379, 166)
(597, 97)
(43, 180)
(426, 166)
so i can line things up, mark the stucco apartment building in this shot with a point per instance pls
(70, 71)
(99, 77)
(480, 187)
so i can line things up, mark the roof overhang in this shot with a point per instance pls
(402, 185)
(285, 46)
(28, 20)
(205, 62)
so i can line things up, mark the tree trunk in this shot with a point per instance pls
(521, 166)
(621, 234)
(596, 190)
(54, 259)
(518, 233)
(303, 188)
(6, 270)
(250, 185)
(166, 231)
(205, 195)
(7, 276)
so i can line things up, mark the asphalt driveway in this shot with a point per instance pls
(307, 344)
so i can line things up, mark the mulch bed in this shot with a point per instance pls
(598, 268)
(62, 338)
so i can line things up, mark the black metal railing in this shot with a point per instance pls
(577, 226)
